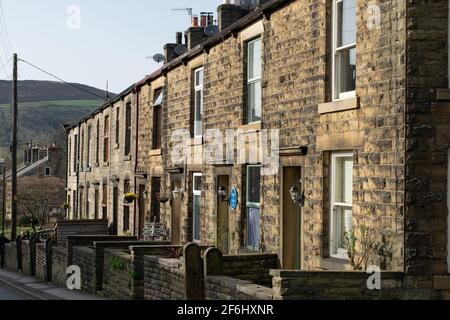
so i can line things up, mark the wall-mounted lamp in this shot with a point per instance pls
(222, 193)
(297, 197)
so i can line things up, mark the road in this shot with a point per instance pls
(8, 293)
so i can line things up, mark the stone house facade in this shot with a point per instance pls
(101, 170)
(326, 116)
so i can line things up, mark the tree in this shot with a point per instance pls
(34, 194)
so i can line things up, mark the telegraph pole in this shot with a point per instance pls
(14, 153)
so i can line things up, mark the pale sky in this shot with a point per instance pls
(113, 41)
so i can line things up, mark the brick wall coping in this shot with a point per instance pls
(242, 286)
(94, 238)
(168, 262)
(126, 244)
(86, 250)
(250, 256)
(337, 274)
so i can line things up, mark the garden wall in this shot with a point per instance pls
(330, 285)
(117, 275)
(84, 257)
(26, 258)
(227, 288)
(163, 278)
(41, 262)
(11, 256)
(251, 267)
(59, 265)
(68, 228)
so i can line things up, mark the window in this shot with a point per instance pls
(69, 209)
(69, 157)
(117, 125)
(126, 208)
(341, 202)
(448, 207)
(344, 49)
(157, 119)
(75, 154)
(253, 206)
(254, 68)
(155, 197)
(80, 204)
(106, 140)
(196, 204)
(48, 172)
(198, 102)
(105, 202)
(97, 147)
(82, 150)
(128, 129)
(89, 146)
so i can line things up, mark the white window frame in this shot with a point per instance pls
(254, 80)
(335, 251)
(198, 88)
(196, 193)
(249, 205)
(336, 95)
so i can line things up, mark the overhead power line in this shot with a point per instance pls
(5, 64)
(63, 81)
(5, 28)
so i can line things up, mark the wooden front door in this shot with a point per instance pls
(176, 213)
(115, 228)
(292, 240)
(141, 209)
(223, 216)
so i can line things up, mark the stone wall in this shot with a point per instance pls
(11, 256)
(327, 285)
(84, 257)
(41, 262)
(163, 278)
(251, 267)
(26, 258)
(66, 229)
(228, 288)
(117, 275)
(59, 265)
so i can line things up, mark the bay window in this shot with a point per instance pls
(344, 49)
(341, 202)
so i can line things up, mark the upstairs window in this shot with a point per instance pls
(157, 119)
(117, 125)
(128, 129)
(69, 157)
(198, 102)
(344, 49)
(97, 144)
(82, 138)
(341, 202)
(254, 71)
(106, 140)
(89, 146)
(75, 153)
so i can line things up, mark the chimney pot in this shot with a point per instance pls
(179, 37)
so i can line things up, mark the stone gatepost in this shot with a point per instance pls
(19, 253)
(194, 283)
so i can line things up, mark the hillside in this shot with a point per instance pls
(34, 91)
(44, 107)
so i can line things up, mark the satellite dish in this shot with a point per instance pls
(211, 30)
(180, 49)
(158, 58)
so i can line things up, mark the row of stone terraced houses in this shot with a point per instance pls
(357, 93)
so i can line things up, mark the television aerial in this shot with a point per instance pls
(211, 30)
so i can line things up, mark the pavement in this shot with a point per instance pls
(16, 286)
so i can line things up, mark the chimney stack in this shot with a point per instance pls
(169, 49)
(230, 13)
